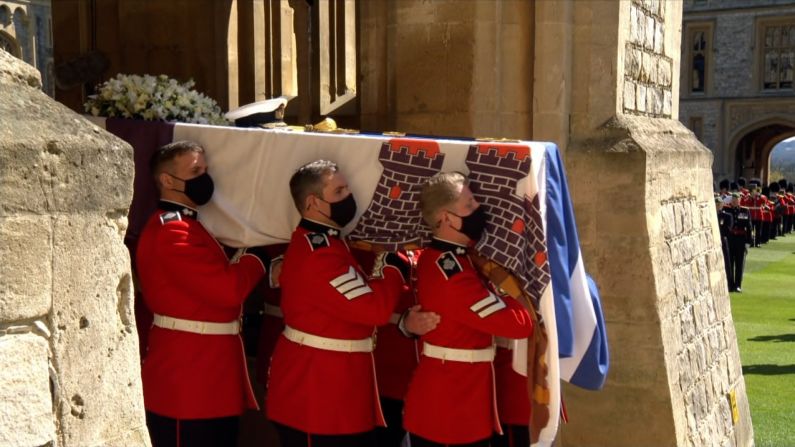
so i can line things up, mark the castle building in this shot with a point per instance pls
(736, 89)
(26, 33)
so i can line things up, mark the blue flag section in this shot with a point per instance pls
(582, 338)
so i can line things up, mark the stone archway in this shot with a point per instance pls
(8, 43)
(752, 146)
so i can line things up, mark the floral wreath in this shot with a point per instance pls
(152, 98)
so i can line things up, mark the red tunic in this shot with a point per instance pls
(453, 402)
(184, 273)
(513, 399)
(755, 204)
(322, 391)
(767, 209)
(272, 325)
(396, 355)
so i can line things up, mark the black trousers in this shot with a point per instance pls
(757, 224)
(290, 437)
(168, 432)
(737, 253)
(392, 435)
(512, 436)
(774, 227)
(417, 441)
(765, 232)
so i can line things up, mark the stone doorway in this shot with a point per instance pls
(753, 148)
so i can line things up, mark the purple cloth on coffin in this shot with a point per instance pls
(145, 137)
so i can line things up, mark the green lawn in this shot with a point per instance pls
(764, 317)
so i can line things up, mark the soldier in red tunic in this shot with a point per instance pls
(194, 375)
(755, 203)
(322, 389)
(396, 353)
(451, 398)
(513, 400)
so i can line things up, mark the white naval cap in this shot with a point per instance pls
(258, 113)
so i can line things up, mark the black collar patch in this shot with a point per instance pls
(443, 245)
(448, 264)
(317, 227)
(183, 210)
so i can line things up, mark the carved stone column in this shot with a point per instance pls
(642, 187)
(68, 343)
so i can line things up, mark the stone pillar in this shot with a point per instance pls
(641, 185)
(70, 373)
(447, 67)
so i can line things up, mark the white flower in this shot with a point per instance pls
(153, 98)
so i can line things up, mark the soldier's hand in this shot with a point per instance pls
(388, 259)
(275, 271)
(417, 322)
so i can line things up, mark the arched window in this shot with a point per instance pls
(697, 58)
(5, 16)
(22, 35)
(8, 43)
(699, 62)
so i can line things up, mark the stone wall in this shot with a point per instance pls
(734, 103)
(674, 355)
(641, 186)
(711, 114)
(422, 59)
(70, 373)
(648, 72)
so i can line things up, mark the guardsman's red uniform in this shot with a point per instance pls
(746, 200)
(767, 210)
(272, 320)
(790, 199)
(322, 378)
(513, 400)
(189, 284)
(755, 204)
(451, 398)
(396, 354)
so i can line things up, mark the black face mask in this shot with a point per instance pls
(342, 212)
(472, 226)
(198, 189)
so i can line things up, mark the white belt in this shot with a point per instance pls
(274, 311)
(328, 344)
(197, 327)
(458, 355)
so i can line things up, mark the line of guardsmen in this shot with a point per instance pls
(750, 215)
(440, 374)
